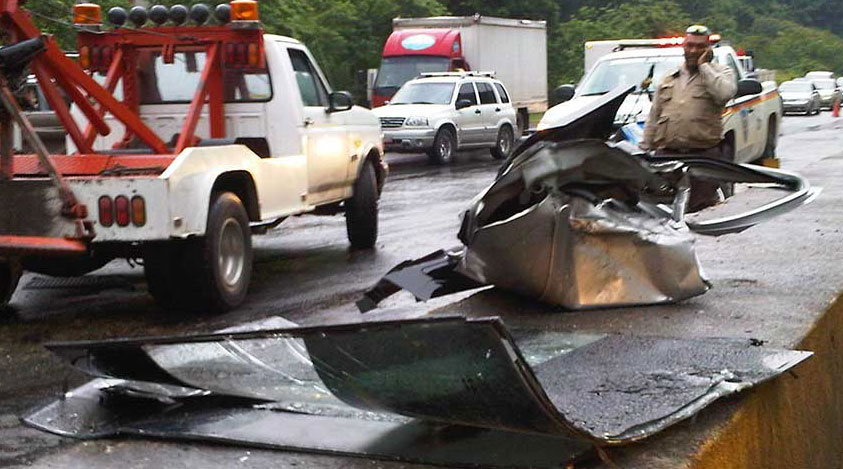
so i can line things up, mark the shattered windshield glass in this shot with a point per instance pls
(432, 390)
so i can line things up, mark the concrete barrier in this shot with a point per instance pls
(793, 422)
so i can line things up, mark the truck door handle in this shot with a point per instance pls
(497, 109)
(308, 122)
(751, 110)
(477, 111)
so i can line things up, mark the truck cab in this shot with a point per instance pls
(220, 132)
(750, 120)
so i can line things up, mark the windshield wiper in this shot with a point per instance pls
(422, 102)
(599, 93)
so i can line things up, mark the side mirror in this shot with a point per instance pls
(339, 101)
(462, 104)
(748, 87)
(562, 94)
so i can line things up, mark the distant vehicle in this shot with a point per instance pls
(819, 75)
(440, 113)
(800, 96)
(828, 90)
(516, 50)
(750, 120)
(747, 61)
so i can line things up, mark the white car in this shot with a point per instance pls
(750, 120)
(445, 112)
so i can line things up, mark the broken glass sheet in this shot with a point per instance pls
(434, 390)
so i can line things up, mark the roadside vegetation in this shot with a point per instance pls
(790, 36)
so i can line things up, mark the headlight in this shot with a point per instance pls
(416, 122)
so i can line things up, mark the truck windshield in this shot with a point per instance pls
(424, 93)
(395, 71)
(176, 83)
(609, 74)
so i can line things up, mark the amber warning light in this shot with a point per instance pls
(87, 13)
(244, 10)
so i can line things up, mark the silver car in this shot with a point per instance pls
(828, 91)
(800, 96)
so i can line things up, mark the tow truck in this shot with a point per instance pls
(185, 138)
(751, 120)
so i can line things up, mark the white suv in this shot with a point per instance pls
(440, 113)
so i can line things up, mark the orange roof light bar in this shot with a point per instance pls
(680, 40)
(87, 13)
(244, 10)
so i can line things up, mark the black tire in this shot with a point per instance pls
(9, 277)
(728, 149)
(504, 143)
(208, 275)
(522, 121)
(772, 134)
(444, 146)
(361, 210)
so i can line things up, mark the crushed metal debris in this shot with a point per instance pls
(578, 220)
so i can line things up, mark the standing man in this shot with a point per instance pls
(686, 117)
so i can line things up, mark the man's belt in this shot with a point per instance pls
(685, 151)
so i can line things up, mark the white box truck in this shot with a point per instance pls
(516, 50)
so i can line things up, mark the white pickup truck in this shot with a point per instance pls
(289, 146)
(751, 120)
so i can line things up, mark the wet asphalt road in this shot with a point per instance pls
(304, 272)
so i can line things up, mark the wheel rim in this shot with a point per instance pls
(232, 253)
(445, 148)
(504, 142)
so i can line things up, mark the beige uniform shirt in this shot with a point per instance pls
(688, 108)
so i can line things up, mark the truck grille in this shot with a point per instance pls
(391, 122)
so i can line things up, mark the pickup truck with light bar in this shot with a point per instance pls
(183, 140)
(751, 120)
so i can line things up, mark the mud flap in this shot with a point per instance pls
(435, 390)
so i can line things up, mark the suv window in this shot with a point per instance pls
(310, 85)
(467, 92)
(502, 93)
(487, 94)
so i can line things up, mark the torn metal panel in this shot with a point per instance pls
(428, 390)
(430, 277)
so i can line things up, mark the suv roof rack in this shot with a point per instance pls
(463, 74)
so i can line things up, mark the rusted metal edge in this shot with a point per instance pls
(42, 245)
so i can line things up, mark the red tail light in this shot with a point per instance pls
(106, 211)
(121, 208)
(138, 211)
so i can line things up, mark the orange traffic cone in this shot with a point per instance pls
(835, 108)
